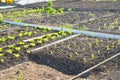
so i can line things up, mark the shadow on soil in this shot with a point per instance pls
(63, 65)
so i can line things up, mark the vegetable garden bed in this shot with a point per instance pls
(77, 54)
(85, 20)
(58, 49)
(16, 45)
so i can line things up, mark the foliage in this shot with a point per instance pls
(1, 17)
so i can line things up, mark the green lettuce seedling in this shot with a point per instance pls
(26, 46)
(1, 17)
(1, 54)
(17, 48)
(16, 55)
(10, 46)
(2, 39)
(9, 51)
(1, 49)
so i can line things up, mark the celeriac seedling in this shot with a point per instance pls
(2, 60)
(20, 35)
(84, 60)
(28, 51)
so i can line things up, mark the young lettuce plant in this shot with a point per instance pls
(3, 39)
(92, 56)
(17, 48)
(1, 49)
(16, 55)
(70, 56)
(84, 60)
(69, 46)
(61, 10)
(47, 35)
(39, 38)
(90, 45)
(51, 52)
(52, 37)
(32, 44)
(11, 46)
(26, 46)
(20, 35)
(21, 43)
(28, 34)
(62, 33)
(31, 41)
(1, 54)
(99, 52)
(35, 32)
(49, 29)
(55, 34)
(39, 41)
(1, 17)
(11, 37)
(9, 51)
(46, 39)
(97, 41)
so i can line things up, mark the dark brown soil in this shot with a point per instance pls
(114, 75)
(67, 56)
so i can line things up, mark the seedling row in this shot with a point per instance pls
(77, 54)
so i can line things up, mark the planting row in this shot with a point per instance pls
(70, 19)
(43, 15)
(107, 24)
(16, 35)
(63, 17)
(77, 54)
